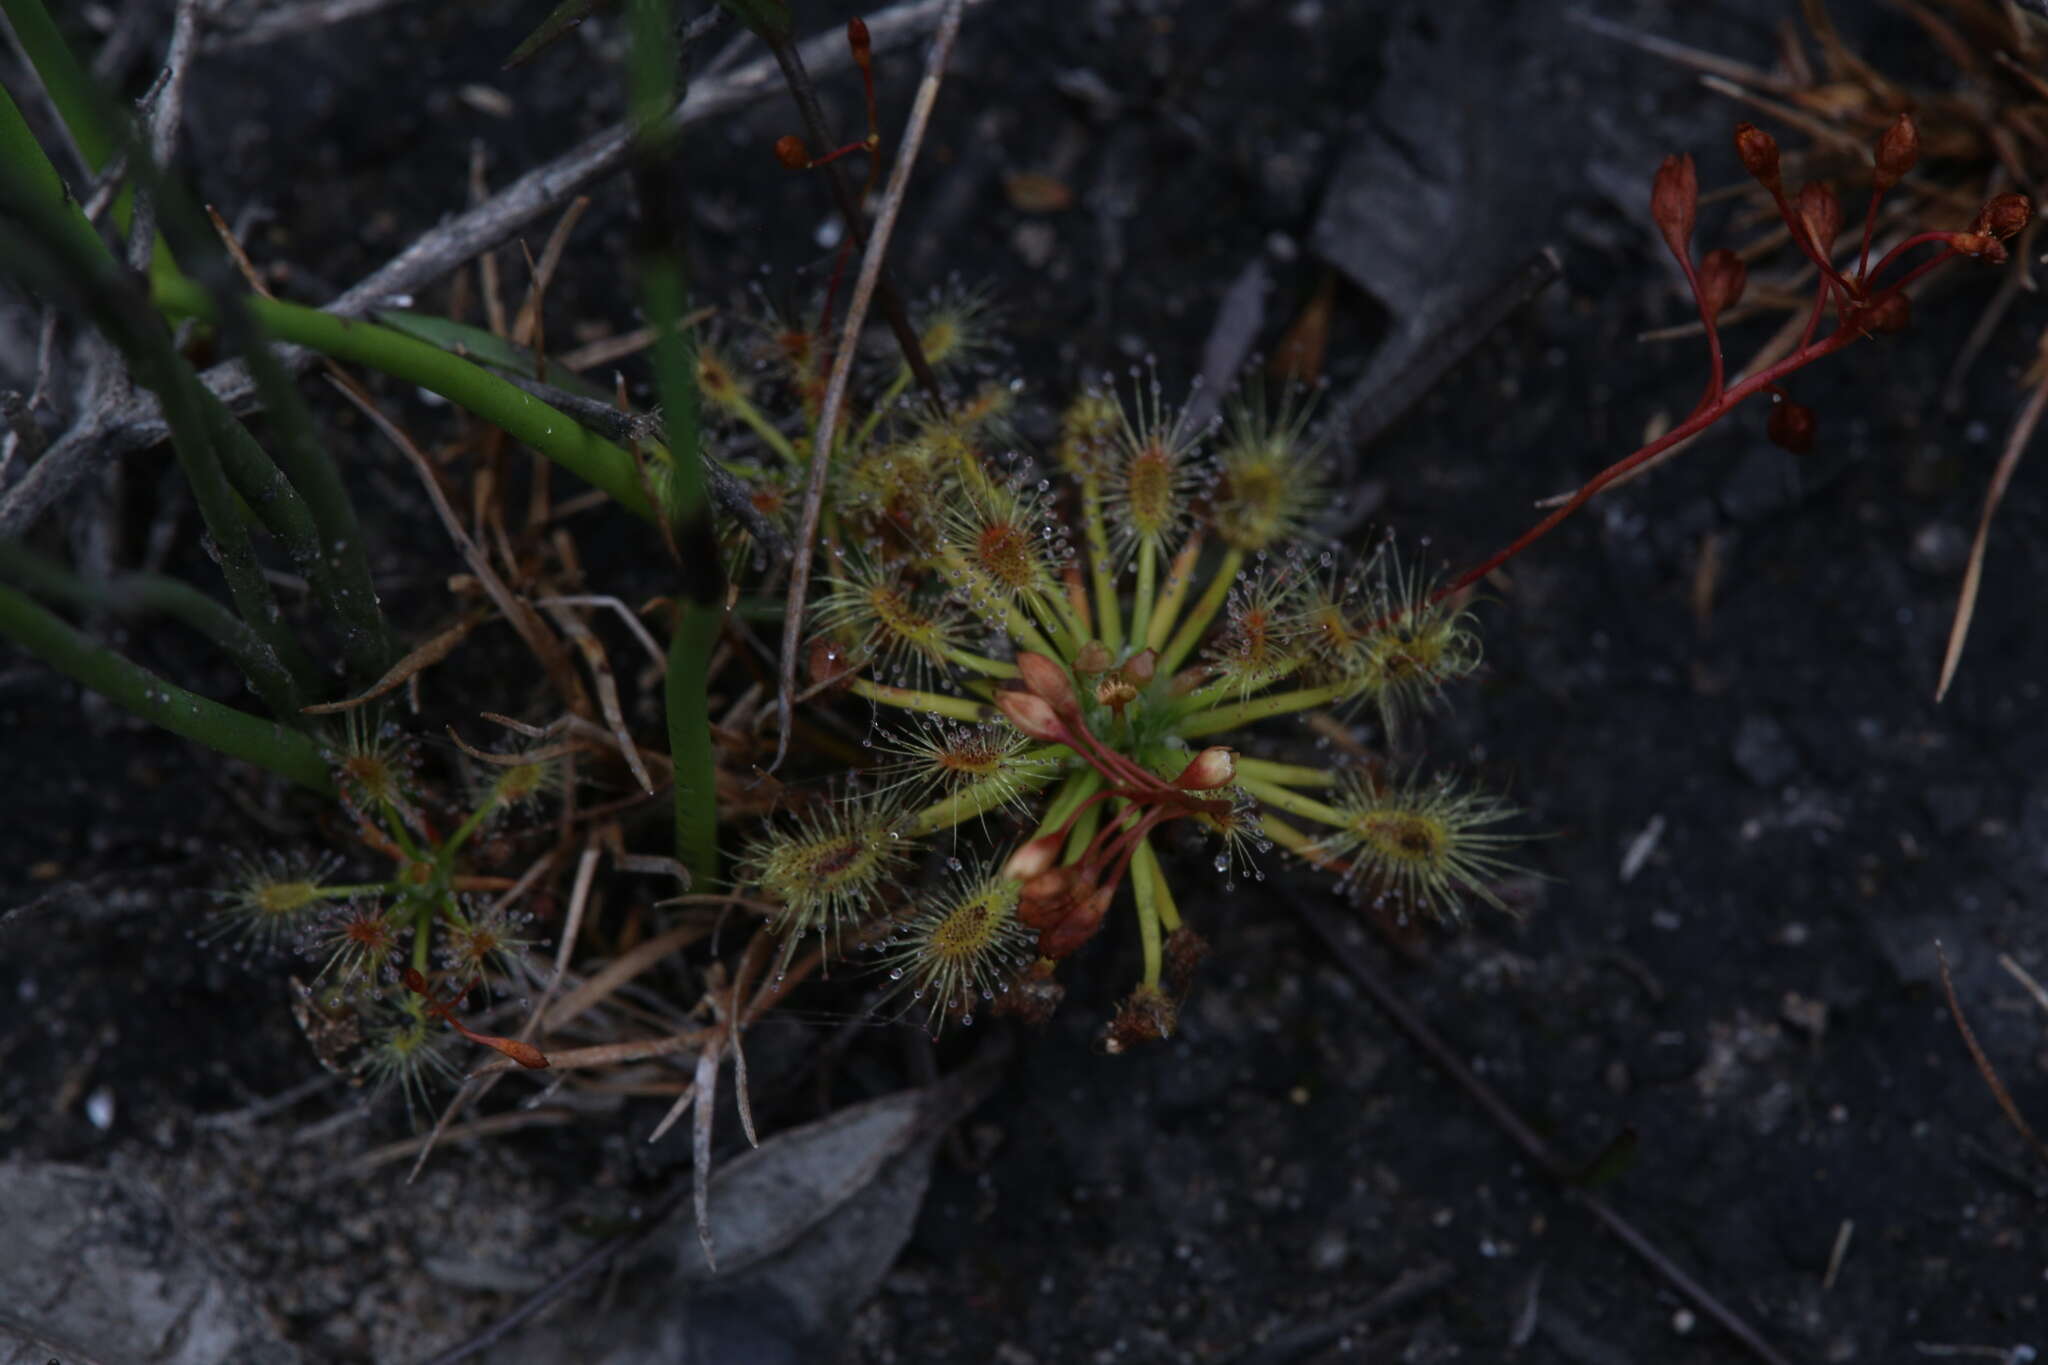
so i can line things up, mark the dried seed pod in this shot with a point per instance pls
(1722, 277)
(1759, 153)
(2003, 215)
(1897, 150)
(1821, 213)
(1792, 426)
(789, 150)
(1145, 1016)
(1674, 203)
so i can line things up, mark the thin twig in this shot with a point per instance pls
(165, 105)
(2026, 979)
(290, 21)
(1539, 1151)
(579, 900)
(1820, 130)
(1983, 1060)
(1973, 573)
(842, 367)
(850, 204)
(622, 969)
(600, 666)
(603, 1054)
(1365, 412)
(490, 1126)
(1298, 1341)
(167, 98)
(1699, 59)
(270, 1104)
(479, 1083)
(525, 328)
(420, 659)
(624, 612)
(516, 609)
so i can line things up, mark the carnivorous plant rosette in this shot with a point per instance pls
(1081, 658)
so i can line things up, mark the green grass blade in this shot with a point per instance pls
(130, 593)
(522, 416)
(41, 251)
(288, 753)
(686, 507)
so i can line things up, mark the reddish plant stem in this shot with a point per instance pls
(1869, 226)
(1716, 370)
(1917, 239)
(1709, 413)
(1692, 426)
(1820, 308)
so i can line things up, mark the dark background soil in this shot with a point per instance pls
(1757, 1006)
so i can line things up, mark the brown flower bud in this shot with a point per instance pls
(1078, 927)
(1674, 201)
(1759, 153)
(1215, 766)
(1897, 150)
(1722, 277)
(1791, 426)
(789, 150)
(1821, 213)
(1046, 678)
(1034, 859)
(1888, 313)
(1093, 659)
(858, 43)
(2003, 215)
(1033, 715)
(1140, 667)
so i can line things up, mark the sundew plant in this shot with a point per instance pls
(1068, 661)
(396, 956)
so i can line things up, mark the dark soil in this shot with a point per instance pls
(1748, 1021)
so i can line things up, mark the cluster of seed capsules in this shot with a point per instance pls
(1065, 660)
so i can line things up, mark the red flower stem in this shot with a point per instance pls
(1903, 247)
(1107, 761)
(1921, 269)
(1820, 306)
(1102, 848)
(1716, 373)
(1692, 426)
(1869, 224)
(1067, 825)
(1127, 846)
